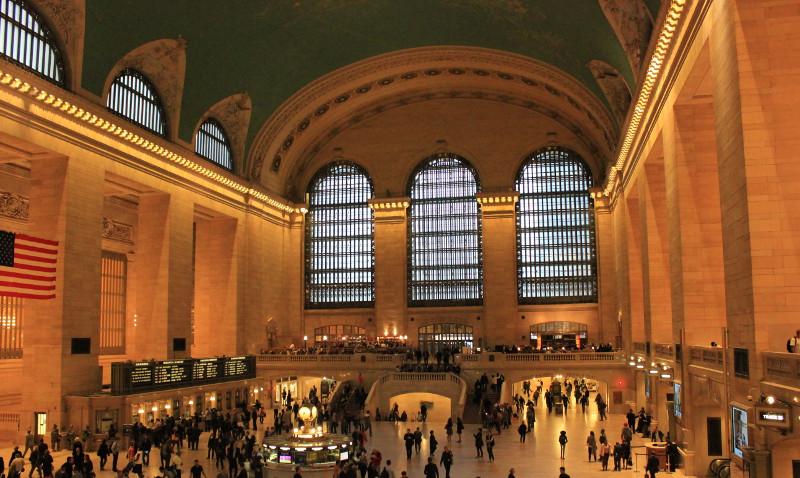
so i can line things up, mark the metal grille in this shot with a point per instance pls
(212, 143)
(437, 336)
(340, 245)
(132, 97)
(26, 41)
(556, 261)
(11, 318)
(113, 294)
(444, 248)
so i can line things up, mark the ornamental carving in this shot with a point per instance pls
(14, 206)
(117, 231)
(66, 19)
(614, 87)
(163, 62)
(631, 21)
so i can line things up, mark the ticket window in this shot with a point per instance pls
(40, 419)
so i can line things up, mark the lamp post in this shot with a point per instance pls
(325, 339)
(305, 340)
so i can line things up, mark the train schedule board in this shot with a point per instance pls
(137, 377)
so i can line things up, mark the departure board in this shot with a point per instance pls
(136, 377)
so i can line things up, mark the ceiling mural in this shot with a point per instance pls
(273, 49)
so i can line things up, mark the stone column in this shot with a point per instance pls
(216, 315)
(391, 276)
(163, 276)
(500, 268)
(608, 325)
(66, 205)
(291, 325)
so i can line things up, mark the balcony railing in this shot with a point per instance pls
(640, 347)
(780, 366)
(708, 357)
(665, 351)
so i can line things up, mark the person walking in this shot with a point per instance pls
(459, 428)
(409, 441)
(591, 444)
(114, 449)
(511, 473)
(417, 440)
(479, 443)
(605, 453)
(433, 442)
(448, 430)
(431, 470)
(562, 473)
(652, 465)
(523, 432)
(490, 445)
(618, 452)
(446, 460)
(562, 441)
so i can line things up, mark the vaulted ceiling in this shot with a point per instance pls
(271, 49)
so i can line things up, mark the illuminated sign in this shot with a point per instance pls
(739, 433)
(773, 416)
(136, 377)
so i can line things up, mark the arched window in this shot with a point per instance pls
(444, 247)
(437, 336)
(340, 246)
(212, 143)
(26, 41)
(133, 97)
(556, 260)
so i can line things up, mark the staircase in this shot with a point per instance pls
(472, 412)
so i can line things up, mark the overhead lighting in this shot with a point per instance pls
(770, 400)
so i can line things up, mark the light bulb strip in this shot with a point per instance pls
(68, 109)
(662, 46)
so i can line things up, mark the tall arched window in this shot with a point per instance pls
(133, 97)
(444, 230)
(212, 143)
(556, 260)
(340, 246)
(26, 41)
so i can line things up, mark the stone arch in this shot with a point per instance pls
(614, 86)
(233, 113)
(67, 22)
(163, 62)
(305, 123)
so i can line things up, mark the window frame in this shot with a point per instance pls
(46, 36)
(155, 102)
(222, 144)
(560, 231)
(424, 165)
(309, 244)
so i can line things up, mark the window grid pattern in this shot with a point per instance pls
(26, 41)
(212, 143)
(340, 245)
(437, 336)
(11, 320)
(113, 295)
(339, 332)
(444, 249)
(556, 257)
(132, 97)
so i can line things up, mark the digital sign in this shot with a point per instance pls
(739, 434)
(773, 416)
(676, 399)
(137, 377)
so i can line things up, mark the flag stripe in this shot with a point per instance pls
(20, 275)
(37, 239)
(27, 286)
(29, 267)
(26, 295)
(43, 250)
(34, 258)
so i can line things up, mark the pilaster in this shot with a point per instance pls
(391, 276)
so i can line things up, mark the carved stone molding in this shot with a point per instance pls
(163, 62)
(614, 87)
(390, 210)
(117, 231)
(468, 71)
(495, 205)
(631, 21)
(14, 206)
(67, 21)
(234, 114)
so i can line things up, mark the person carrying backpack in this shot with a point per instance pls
(793, 344)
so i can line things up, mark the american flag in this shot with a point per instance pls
(27, 266)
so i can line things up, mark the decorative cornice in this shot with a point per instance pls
(668, 30)
(33, 88)
(389, 204)
(14, 206)
(509, 198)
(117, 231)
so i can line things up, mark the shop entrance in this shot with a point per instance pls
(558, 335)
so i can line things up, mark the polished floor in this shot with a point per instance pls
(537, 457)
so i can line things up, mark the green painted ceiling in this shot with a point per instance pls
(272, 48)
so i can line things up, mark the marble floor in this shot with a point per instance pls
(538, 457)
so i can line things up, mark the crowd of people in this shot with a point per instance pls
(399, 347)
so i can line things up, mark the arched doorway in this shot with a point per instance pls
(558, 334)
(435, 337)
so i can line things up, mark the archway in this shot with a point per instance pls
(439, 407)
